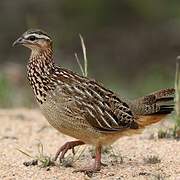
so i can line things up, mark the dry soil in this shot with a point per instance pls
(130, 159)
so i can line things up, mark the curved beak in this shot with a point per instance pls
(18, 41)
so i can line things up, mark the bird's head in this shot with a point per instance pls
(34, 39)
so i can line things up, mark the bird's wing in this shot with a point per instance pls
(100, 107)
(105, 111)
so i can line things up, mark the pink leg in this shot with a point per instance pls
(68, 145)
(97, 164)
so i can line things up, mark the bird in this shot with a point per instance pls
(83, 108)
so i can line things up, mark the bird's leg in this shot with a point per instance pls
(97, 164)
(63, 149)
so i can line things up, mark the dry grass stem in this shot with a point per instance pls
(84, 71)
(44, 160)
(79, 63)
(177, 100)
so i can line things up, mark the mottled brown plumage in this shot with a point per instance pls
(82, 108)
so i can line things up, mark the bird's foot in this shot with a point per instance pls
(93, 169)
(89, 170)
(63, 149)
(103, 164)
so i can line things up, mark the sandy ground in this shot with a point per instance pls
(23, 129)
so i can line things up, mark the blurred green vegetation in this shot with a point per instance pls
(5, 92)
(131, 44)
(13, 96)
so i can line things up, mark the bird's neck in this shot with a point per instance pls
(39, 69)
(42, 59)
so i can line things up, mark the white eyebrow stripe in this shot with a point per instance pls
(39, 36)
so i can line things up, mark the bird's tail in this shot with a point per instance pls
(154, 107)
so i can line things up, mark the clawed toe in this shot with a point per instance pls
(87, 170)
(97, 164)
(67, 146)
(70, 145)
(103, 164)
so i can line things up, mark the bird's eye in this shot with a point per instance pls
(31, 38)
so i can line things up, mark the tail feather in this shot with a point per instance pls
(154, 107)
(165, 101)
(165, 109)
